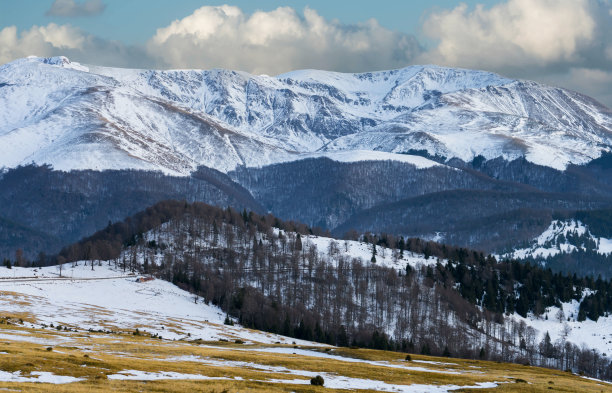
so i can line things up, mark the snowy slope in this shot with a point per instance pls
(563, 237)
(564, 325)
(75, 117)
(107, 298)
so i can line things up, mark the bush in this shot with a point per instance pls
(317, 381)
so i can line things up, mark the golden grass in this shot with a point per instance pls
(95, 356)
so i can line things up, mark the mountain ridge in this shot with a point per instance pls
(88, 117)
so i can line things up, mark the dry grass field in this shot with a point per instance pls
(52, 360)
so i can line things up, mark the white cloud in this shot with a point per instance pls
(516, 33)
(55, 40)
(70, 8)
(39, 40)
(278, 41)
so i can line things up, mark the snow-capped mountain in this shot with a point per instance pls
(75, 117)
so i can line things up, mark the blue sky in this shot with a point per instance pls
(566, 43)
(135, 21)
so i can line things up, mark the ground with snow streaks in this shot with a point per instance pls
(48, 336)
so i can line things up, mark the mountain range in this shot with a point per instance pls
(466, 157)
(85, 117)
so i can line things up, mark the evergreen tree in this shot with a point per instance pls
(373, 259)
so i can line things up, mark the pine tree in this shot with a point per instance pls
(342, 338)
(373, 260)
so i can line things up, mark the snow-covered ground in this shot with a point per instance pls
(332, 380)
(370, 155)
(595, 335)
(106, 298)
(360, 250)
(109, 299)
(554, 240)
(36, 376)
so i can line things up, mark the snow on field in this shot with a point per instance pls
(106, 298)
(340, 382)
(137, 375)
(324, 355)
(332, 381)
(37, 377)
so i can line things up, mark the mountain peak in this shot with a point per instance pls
(60, 61)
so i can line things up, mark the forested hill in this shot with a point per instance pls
(373, 290)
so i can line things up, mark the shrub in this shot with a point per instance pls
(317, 381)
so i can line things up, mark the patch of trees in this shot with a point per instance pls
(599, 221)
(581, 262)
(488, 220)
(109, 242)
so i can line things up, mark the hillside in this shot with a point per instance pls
(406, 295)
(99, 330)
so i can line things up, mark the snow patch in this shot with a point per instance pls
(37, 377)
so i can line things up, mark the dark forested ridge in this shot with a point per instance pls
(269, 275)
(492, 205)
(42, 210)
(487, 205)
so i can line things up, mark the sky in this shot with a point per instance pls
(565, 43)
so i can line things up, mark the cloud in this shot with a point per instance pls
(566, 43)
(596, 83)
(70, 8)
(516, 33)
(55, 40)
(278, 41)
(40, 40)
